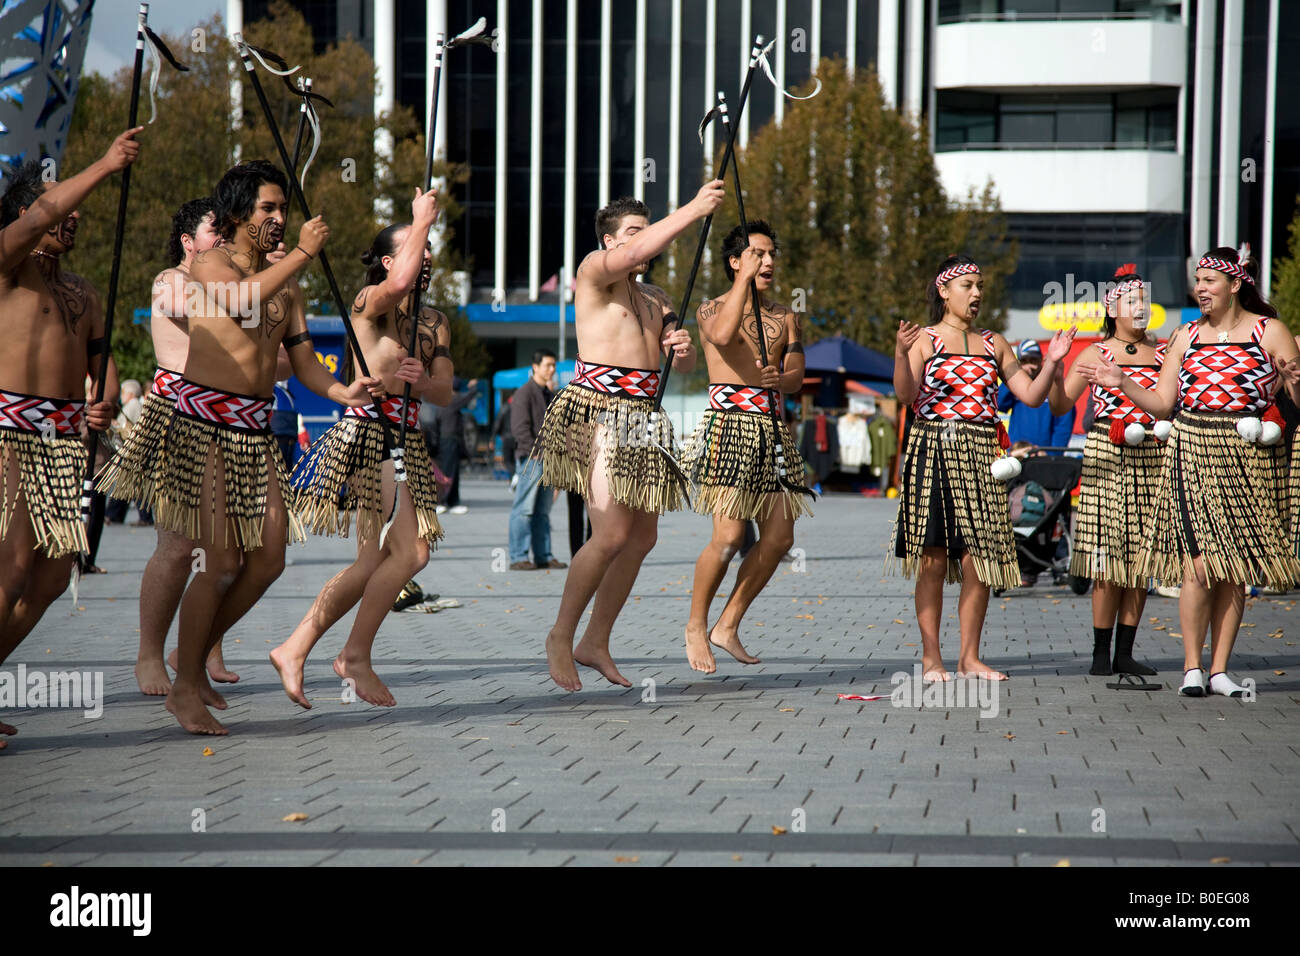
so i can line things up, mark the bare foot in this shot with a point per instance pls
(729, 641)
(187, 707)
(152, 677)
(932, 670)
(698, 652)
(977, 668)
(8, 730)
(216, 667)
(209, 696)
(365, 681)
(289, 668)
(599, 658)
(559, 658)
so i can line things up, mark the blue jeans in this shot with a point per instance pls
(530, 515)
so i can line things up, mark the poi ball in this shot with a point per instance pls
(1135, 434)
(1005, 468)
(1162, 430)
(1269, 433)
(892, 492)
(1249, 428)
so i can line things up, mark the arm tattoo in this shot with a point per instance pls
(296, 340)
(359, 303)
(276, 311)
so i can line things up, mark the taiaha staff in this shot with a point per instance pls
(142, 32)
(304, 87)
(475, 34)
(296, 188)
(777, 424)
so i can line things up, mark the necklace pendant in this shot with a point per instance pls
(1223, 336)
(1131, 349)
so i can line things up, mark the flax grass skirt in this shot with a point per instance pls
(950, 499)
(176, 502)
(1116, 503)
(1293, 483)
(1220, 498)
(49, 479)
(132, 473)
(636, 470)
(341, 474)
(731, 458)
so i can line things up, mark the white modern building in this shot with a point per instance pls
(1114, 130)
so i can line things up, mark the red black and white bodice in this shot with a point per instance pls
(956, 386)
(1226, 376)
(1112, 403)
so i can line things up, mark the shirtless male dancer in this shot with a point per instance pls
(53, 334)
(221, 473)
(350, 462)
(730, 455)
(132, 473)
(593, 439)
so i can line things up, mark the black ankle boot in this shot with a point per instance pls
(1100, 652)
(1124, 663)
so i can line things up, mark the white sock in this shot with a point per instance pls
(1223, 685)
(1193, 679)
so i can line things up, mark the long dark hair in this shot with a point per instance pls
(1249, 295)
(932, 293)
(385, 244)
(236, 193)
(1123, 274)
(186, 223)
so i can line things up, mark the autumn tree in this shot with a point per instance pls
(1286, 279)
(193, 141)
(851, 188)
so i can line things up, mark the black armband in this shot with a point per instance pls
(670, 319)
(292, 340)
(441, 351)
(793, 348)
(94, 346)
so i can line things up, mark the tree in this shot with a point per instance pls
(1286, 279)
(851, 189)
(193, 141)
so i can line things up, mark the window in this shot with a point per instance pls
(971, 120)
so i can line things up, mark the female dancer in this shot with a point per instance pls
(1217, 524)
(952, 514)
(1119, 479)
(347, 470)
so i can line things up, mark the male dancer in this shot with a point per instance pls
(594, 437)
(730, 455)
(132, 473)
(53, 334)
(221, 474)
(349, 463)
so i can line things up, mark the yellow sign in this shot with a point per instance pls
(1087, 316)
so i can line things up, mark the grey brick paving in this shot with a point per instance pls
(700, 775)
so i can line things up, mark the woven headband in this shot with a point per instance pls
(961, 269)
(1224, 266)
(1126, 286)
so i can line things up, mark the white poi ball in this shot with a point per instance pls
(1005, 468)
(1162, 430)
(1269, 433)
(1135, 434)
(1249, 428)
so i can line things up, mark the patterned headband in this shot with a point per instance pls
(1127, 285)
(1224, 266)
(961, 269)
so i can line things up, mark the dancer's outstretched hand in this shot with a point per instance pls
(1059, 347)
(1102, 372)
(123, 151)
(709, 198)
(424, 207)
(908, 333)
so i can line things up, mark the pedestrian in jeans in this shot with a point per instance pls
(451, 444)
(530, 515)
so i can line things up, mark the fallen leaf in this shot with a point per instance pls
(1062, 863)
(627, 859)
(909, 645)
(1010, 736)
(1158, 627)
(1280, 673)
(1060, 732)
(1175, 634)
(805, 617)
(208, 751)
(787, 710)
(777, 831)
(1220, 859)
(898, 621)
(294, 818)
(737, 857)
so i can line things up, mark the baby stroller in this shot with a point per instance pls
(1042, 516)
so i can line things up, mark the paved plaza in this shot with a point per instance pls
(484, 761)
